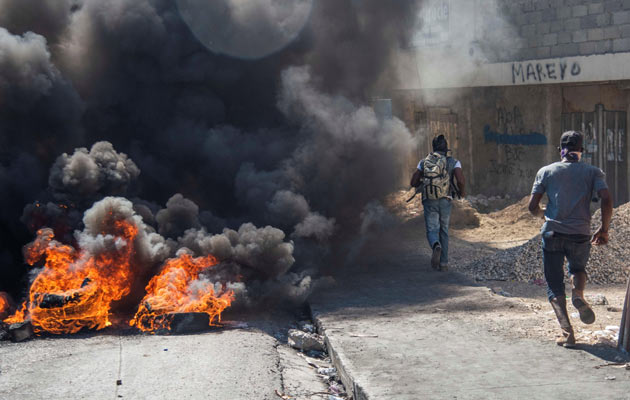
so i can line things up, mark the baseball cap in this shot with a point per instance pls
(571, 140)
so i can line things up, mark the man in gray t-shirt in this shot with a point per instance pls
(570, 186)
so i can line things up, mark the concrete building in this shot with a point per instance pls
(502, 79)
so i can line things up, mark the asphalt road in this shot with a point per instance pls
(248, 363)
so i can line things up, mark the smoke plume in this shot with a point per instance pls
(264, 159)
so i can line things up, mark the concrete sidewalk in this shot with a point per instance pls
(407, 332)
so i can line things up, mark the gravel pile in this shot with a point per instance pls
(607, 264)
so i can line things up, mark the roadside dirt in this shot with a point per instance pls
(475, 235)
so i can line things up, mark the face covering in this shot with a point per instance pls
(572, 156)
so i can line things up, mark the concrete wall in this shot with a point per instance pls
(564, 28)
(502, 135)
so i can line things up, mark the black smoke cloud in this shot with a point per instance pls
(284, 149)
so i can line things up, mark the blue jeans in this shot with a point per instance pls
(555, 249)
(437, 214)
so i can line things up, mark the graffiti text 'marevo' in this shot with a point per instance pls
(544, 71)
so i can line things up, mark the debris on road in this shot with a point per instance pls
(235, 324)
(189, 322)
(21, 331)
(366, 335)
(614, 365)
(337, 389)
(305, 341)
(283, 396)
(4, 331)
(606, 336)
(607, 264)
(500, 292)
(596, 299)
(328, 372)
(307, 326)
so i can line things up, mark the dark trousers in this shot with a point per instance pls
(575, 248)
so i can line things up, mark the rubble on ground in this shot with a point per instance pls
(305, 341)
(597, 299)
(608, 336)
(607, 264)
(21, 331)
(486, 204)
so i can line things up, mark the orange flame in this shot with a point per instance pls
(5, 306)
(75, 289)
(177, 290)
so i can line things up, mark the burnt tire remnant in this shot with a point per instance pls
(21, 331)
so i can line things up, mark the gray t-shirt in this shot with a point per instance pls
(569, 187)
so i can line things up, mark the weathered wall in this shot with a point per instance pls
(515, 131)
(502, 135)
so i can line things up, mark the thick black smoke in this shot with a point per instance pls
(278, 156)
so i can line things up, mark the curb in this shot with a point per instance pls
(353, 387)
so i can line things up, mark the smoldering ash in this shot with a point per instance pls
(153, 174)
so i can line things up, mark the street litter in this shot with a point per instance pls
(362, 335)
(337, 389)
(596, 299)
(330, 372)
(310, 361)
(283, 396)
(612, 328)
(614, 365)
(306, 326)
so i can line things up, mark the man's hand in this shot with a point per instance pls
(600, 237)
(534, 205)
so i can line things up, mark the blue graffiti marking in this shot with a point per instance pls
(525, 139)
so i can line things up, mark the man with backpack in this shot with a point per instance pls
(570, 185)
(441, 178)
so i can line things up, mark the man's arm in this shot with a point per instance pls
(415, 179)
(461, 182)
(601, 236)
(534, 205)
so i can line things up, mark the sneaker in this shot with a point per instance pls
(586, 312)
(435, 257)
(444, 267)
